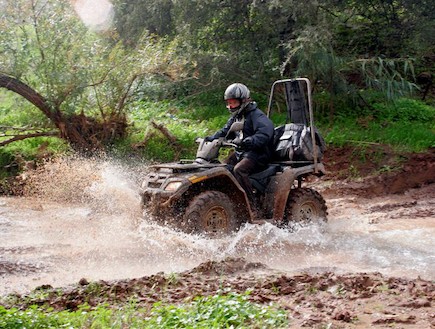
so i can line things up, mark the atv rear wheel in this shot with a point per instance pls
(304, 205)
(212, 213)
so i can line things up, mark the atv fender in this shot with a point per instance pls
(284, 183)
(282, 189)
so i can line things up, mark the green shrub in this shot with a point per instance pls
(405, 110)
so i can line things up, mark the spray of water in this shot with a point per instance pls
(104, 185)
(337, 246)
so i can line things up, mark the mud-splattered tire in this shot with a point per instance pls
(211, 213)
(304, 205)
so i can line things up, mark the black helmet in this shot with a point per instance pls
(237, 91)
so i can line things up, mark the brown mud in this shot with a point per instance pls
(373, 265)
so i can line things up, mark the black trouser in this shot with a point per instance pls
(242, 170)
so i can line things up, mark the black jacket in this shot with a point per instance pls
(257, 125)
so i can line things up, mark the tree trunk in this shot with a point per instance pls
(83, 133)
(31, 95)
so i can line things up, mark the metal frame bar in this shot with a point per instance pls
(310, 111)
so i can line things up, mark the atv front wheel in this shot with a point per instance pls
(212, 213)
(303, 206)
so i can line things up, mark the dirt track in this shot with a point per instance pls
(373, 265)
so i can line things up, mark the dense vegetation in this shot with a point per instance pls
(370, 62)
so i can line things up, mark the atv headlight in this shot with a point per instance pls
(173, 186)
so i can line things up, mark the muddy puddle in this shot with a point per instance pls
(85, 223)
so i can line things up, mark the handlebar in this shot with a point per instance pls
(229, 144)
(222, 141)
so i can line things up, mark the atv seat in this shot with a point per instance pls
(261, 179)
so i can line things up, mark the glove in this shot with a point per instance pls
(248, 143)
(209, 138)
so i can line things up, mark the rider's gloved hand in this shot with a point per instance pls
(237, 142)
(248, 143)
(209, 138)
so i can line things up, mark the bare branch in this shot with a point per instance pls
(171, 137)
(22, 137)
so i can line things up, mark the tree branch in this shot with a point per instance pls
(27, 92)
(171, 137)
(22, 137)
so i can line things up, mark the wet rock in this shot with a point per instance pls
(83, 282)
(422, 302)
(44, 287)
(228, 266)
(411, 319)
(342, 315)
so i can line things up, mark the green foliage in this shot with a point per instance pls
(408, 125)
(406, 110)
(153, 16)
(76, 69)
(186, 122)
(259, 41)
(218, 311)
(19, 116)
(13, 157)
(376, 27)
(391, 76)
(15, 111)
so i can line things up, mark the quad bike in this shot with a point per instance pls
(203, 196)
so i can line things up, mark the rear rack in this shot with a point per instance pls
(310, 112)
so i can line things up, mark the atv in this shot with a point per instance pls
(202, 195)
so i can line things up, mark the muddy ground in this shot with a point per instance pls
(372, 266)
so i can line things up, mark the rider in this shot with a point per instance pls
(255, 142)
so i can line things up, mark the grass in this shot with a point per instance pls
(407, 125)
(219, 311)
(403, 137)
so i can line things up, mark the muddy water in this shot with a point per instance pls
(86, 224)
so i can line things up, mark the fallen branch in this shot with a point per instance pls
(4, 128)
(361, 142)
(145, 141)
(22, 137)
(171, 137)
(173, 140)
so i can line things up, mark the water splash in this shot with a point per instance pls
(105, 185)
(337, 246)
(114, 192)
